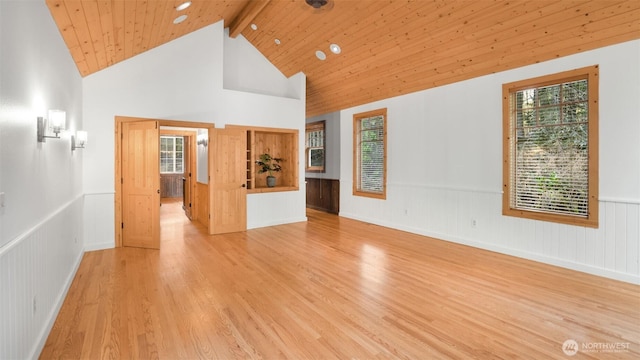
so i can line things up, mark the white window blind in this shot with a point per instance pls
(315, 138)
(370, 154)
(549, 148)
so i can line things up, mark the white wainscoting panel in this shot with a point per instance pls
(36, 270)
(474, 217)
(275, 208)
(99, 221)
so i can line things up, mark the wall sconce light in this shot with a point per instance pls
(202, 140)
(56, 123)
(79, 140)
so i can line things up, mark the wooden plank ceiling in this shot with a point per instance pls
(389, 47)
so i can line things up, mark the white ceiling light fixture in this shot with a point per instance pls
(254, 27)
(183, 6)
(180, 19)
(321, 55)
(277, 41)
(335, 48)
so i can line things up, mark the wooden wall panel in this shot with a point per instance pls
(202, 204)
(171, 185)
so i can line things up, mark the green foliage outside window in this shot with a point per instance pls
(372, 154)
(551, 164)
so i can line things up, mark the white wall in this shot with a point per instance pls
(182, 80)
(41, 224)
(270, 111)
(444, 169)
(245, 69)
(202, 158)
(332, 146)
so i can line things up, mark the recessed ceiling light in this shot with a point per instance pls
(254, 27)
(321, 55)
(180, 19)
(277, 41)
(335, 48)
(183, 6)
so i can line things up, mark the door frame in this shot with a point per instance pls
(119, 120)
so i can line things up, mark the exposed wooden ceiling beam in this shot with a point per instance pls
(246, 16)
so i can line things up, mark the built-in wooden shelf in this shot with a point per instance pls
(279, 143)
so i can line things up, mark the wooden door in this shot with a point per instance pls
(140, 184)
(228, 191)
(187, 183)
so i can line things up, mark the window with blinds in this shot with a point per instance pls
(370, 138)
(551, 145)
(171, 154)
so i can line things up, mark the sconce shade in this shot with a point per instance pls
(202, 139)
(82, 137)
(79, 140)
(57, 119)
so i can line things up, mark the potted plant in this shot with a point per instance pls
(269, 164)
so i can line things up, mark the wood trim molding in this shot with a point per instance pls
(178, 132)
(246, 16)
(263, 129)
(356, 120)
(186, 124)
(591, 74)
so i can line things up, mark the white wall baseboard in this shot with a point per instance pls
(572, 265)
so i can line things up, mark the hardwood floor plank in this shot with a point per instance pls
(333, 288)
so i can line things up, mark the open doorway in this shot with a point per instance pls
(178, 168)
(138, 158)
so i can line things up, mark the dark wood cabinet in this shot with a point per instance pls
(323, 194)
(171, 185)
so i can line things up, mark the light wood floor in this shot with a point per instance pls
(333, 288)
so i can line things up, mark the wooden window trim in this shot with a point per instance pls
(356, 119)
(314, 126)
(591, 73)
